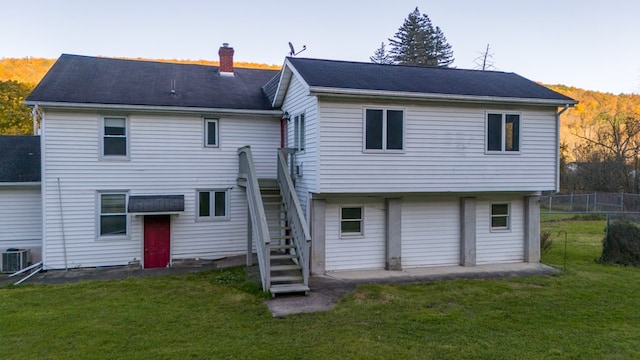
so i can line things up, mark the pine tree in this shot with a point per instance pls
(418, 42)
(381, 56)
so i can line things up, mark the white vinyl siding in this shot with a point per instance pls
(430, 231)
(299, 102)
(167, 157)
(444, 151)
(20, 217)
(366, 251)
(501, 246)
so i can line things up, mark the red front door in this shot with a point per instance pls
(156, 241)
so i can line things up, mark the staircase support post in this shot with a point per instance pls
(249, 239)
(318, 211)
(393, 238)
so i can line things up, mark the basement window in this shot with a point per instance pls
(351, 221)
(500, 218)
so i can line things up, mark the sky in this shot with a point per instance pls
(590, 44)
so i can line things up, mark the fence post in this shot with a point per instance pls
(587, 208)
(571, 202)
(550, 199)
(622, 201)
(595, 201)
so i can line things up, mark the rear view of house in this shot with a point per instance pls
(379, 167)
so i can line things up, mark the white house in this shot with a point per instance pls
(395, 166)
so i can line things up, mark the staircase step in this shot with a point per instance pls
(285, 267)
(286, 278)
(284, 257)
(281, 237)
(283, 246)
(288, 288)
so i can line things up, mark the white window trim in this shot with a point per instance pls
(301, 133)
(98, 212)
(384, 131)
(362, 222)
(503, 139)
(491, 216)
(212, 205)
(102, 156)
(206, 132)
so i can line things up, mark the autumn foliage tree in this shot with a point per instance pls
(15, 118)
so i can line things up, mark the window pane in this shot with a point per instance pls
(301, 131)
(512, 133)
(494, 132)
(114, 126)
(115, 146)
(351, 213)
(113, 225)
(211, 133)
(204, 204)
(113, 203)
(351, 227)
(221, 204)
(394, 129)
(500, 209)
(374, 129)
(499, 222)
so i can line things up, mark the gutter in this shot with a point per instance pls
(151, 108)
(23, 184)
(319, 90)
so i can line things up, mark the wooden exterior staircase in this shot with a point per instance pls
(282, 240)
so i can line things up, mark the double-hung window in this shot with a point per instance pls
(384, 130)
(113, 214)
(503, 132)
(212, 204)
(211, 132)
(500, 219)
(298, 132)
(114, 137)
(351, 221)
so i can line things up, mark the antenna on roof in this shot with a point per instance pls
(173, 86)
(293, 50)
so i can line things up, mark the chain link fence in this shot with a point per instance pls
(597, 202)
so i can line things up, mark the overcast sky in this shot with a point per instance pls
(592, 44)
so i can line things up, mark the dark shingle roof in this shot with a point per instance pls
(91, 80)
(425, 80)
(19, 159)
(155, 203)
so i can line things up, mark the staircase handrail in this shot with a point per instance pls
(297, 223)
(247, 172)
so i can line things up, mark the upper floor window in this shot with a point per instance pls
(503, 132)
(211, 132)
(212, 204)
(384, 129)
(114, 136)
(298, 132)
(113, 214)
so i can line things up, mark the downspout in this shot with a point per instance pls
(558, 113)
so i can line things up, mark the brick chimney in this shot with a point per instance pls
(226, 60)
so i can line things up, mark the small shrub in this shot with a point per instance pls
(589, 217)
(621, 245)
(545, 242)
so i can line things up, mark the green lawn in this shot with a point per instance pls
(590, 311)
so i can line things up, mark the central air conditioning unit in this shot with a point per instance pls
(14, 260)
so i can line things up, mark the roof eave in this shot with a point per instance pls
(150, 108)
(359, 93)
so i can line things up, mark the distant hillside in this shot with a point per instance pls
(19, 76)
(31, 70)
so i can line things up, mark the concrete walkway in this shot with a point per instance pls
(328, 289)
(325, 292)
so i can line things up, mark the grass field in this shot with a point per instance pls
(590, 311)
